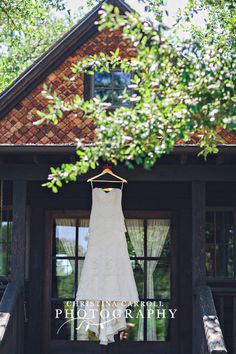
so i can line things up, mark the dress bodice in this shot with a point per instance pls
(106, 204)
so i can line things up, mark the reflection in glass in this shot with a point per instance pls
(105, 95)
(158, 280)
(62, 320)
(138, 269)
(210, 227)
(64, 279)
(5, 247)
(158, 322)
(210, 260)
(81, 332)
(220, 250)
(135, 237)
(157, 236)
(83, 236)
(102, 79)
(135, 323)
(118, 98)
(64, 268)
(65, 236)
(80, 266)
(121, 79)
(110, 87)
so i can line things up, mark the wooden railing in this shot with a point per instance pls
(213, 341)
(225, 303)
(12, 320)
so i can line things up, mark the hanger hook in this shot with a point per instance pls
(107, 167)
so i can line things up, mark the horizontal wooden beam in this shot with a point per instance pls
(187, 149)
(39, 172)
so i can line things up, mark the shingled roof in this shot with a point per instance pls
(21, 100)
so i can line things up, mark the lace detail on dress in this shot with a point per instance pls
(107, 274)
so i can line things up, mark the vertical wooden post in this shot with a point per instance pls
(198, 258)
(18, 253)
(36, 271)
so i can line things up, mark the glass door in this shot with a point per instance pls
(151, 322)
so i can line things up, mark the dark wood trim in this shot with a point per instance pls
(35, 304)
(127, 214)
(57, 347)
(18, 231)
(175, 282)
(62, 347)
(224, 173)
(47, 282)
(198, 257)
(68, 149)
(185, 281)
(18, 248)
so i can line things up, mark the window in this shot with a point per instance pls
(220, 244)
(148, 241)
(5, 243)
(111, 86)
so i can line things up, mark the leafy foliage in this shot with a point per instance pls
(23, 25)
(182, 88)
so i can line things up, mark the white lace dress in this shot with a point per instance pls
(107, 284)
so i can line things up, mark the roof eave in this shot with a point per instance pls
(67, 149)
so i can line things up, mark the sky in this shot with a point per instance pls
(172, 8)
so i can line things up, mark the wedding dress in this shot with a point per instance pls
(107, 285)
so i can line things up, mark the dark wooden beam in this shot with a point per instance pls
(18, 231)
(176, 172)
(183, 159)
(18, 250)
(36, 271)
(198, 258)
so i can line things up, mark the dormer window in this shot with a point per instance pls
(111, 86)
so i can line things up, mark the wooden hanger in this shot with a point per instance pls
(107, 169)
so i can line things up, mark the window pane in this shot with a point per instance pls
(158, 323)
(135, 324)
(230, 264)
(5, 247)
(118, 100)
(102, 79)
(65, 237)
(224, 261)
(81, 332)
(80, 266)
(158, 237)
(210, 226)
(220, 244)
(210, 260)
(138, 269)
(4, 262)
(62, 320)
(83, 236)
(135, 237)
(64, 278)
(158, 280)
(105, 95)
(121, 79)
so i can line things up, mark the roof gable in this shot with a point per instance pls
(20, 101)
(53, 57)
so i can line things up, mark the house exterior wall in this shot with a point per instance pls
(17, 127)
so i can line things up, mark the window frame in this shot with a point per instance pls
(223, 279)
(112, 71)
(8, 210)
(172, 261)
